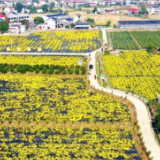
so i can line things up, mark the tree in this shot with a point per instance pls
(51, 6)
(38, 20)
(4, 26)
(72, 25)
(143, 10)
(90, 20)
(94, 10)
(32, 9)
(35, 1)
(157, 119)
(87, 5)
(25, 22)
(45, 8)
(19, 7)
(108, 23)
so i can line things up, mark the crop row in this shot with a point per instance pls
(123, 40)
(147, 38)
(39, 97)
(135, 71)
(42, 60)
(52, 41)
(67, 143)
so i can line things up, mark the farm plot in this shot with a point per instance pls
(135, 71)
(35, 98)
(52, 41)
(46, 116)
(147, 38)
(123, 40)
(42, 64)
(67, 143)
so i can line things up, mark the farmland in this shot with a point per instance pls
(67, 143)
(147, 38)
(48, 116)
(134, 40)
(52, 41)
(123, 40)
(45, 65)
(135, 71)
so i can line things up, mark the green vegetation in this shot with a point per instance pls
(38, 20)
(4, 26)
(147, 38)
(104, 83)
(123, 40)
(108, 23)
(19, 7)
(45, 69)
(106, 52)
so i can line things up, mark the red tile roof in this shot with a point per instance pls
(133, 10)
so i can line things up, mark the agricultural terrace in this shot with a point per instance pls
(56, 117)
(147, 38)
(135, 71)
(52, 41)
(123, 40)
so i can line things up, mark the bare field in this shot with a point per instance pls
(82, 13)
(101, 19)
(154, 16)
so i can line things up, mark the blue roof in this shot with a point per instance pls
(1, 19)
(69, 19)
(155, 6)
(56, 15)
(14, 13)
(54, 18)
(82, 23)
(139, 22)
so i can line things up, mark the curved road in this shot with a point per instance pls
(143, 115)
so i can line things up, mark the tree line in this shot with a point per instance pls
(44, 69)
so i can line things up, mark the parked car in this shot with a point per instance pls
(90, 66)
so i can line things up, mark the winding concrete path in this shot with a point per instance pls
(143, 116)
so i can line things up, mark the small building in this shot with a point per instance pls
(101, 3)
(139, 24)
(10, 9)
(115, 53)
(49, 24)
(25, 10)
(61, 19)
(2, 17)
(152, 2)
(82, 25)
(153, 10)
(39, 10)
(19, 17)
(42, 2)
(101, 10)
(17, 29)
(133, 11)
(93, 4)
(108, 2)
